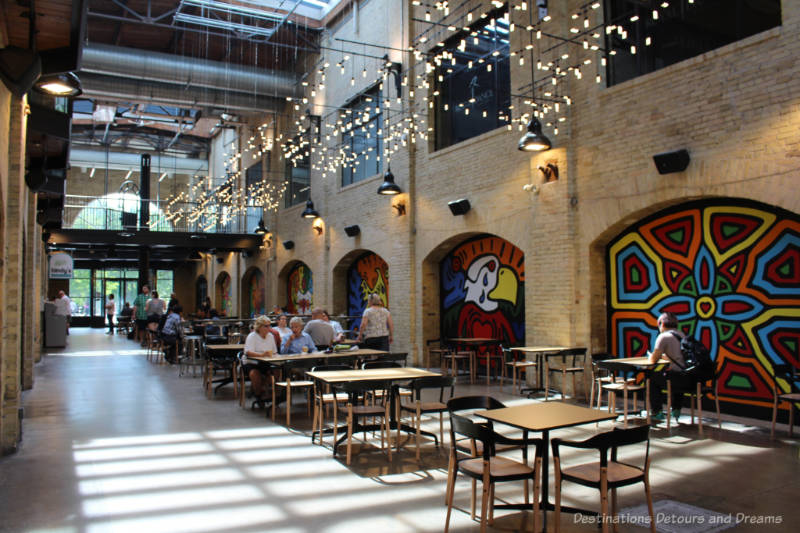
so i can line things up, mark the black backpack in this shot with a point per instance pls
(697, 359)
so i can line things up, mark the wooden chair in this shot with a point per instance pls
(155, 348)
(696, 400)
(600, 377)
(569, 361)
(605, 474)
(622, 386)
(437, 348)
(789, 393)
(358, 408)
(418, 407)
(489, 468)
(325, 397)
(288, 384)
(518, 367)
(402, 392)
(493, 354)
(454, 359)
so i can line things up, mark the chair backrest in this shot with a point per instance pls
(571, 355)
(787, 373)
(432, 382)
(465, 403)
(399, 358)
(356, 389)
(324, 368)
(461, 426)
(617, 438)
(380, 364)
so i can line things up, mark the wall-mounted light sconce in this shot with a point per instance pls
(459, 207)
(220, 260)
(530, 187)
(317, 225)
(400, 207)
(534, 140)
(352, 231)
(288, 245)
(309, 211)
(549, 171)
(389, 187)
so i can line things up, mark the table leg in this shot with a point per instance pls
(647, 397)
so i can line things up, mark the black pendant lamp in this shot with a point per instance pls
(261, 229)
(389, 187)
(309, 211)
(534, 140)
(66, 84)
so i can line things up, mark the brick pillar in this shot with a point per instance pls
(30, 316)
(16, 198)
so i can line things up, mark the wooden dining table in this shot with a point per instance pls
(544, 418)
(637, 364)
(541, 353)
(333, 377)
(474, 344)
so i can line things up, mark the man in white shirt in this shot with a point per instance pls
(321, 332)
(64, 307)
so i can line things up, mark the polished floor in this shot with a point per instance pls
(114, 443)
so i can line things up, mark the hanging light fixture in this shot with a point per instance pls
(309, 211)
(389, 187)
(66, 84)
(534, 140)
(261, 229)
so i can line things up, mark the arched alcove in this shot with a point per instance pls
(357, 275)
(223, 301)
(730, 270)
(297, 280)
(253, 293)
(200, 291)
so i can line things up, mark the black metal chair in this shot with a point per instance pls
(489, 468)
(418, 407)
(790, 394)
(358, 408)
(605, 474)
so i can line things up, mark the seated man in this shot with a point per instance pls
(171, 334)
(299, 341)
(668, 344)
(259, 343)
(321, 331)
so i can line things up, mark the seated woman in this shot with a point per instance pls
(171, 334)
(259, 343)
(298, 342)
(283, 327)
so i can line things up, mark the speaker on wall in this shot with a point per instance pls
(675, 161)
(352, 231)
(459, 207)
(288, 244)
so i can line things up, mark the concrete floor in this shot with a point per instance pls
(114, 443)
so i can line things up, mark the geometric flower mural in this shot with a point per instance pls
(369, 274)
(299, 290)
(483, 291)
(730, 271)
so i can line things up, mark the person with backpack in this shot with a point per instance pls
(668, 344)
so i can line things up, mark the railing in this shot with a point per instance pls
(121, 212)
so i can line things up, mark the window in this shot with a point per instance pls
(253, 183)
(80, 291)
(164, 283)
(360, 142)
(474, 86)
(298, 182)
(680, 31)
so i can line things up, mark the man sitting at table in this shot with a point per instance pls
(321, 331)
(259, 343)
(299, 341)
(668, 344)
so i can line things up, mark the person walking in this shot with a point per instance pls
(377, 328)
(140, 313)
(111, 308)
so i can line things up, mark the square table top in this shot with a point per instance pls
(638, 362)
(280, 358)
(340, 376)
(538, 349)
(469, 340)
(225, 347)
(546, 415)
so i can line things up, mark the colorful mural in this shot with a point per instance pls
(730, 271)
(483, 291)
(224, 300)
(369, 274)
(255, 293)
(299, 290)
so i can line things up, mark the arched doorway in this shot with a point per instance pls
(730, 270)
(224, 302)
(368, 274)
(253, 293)
(482, 290)
(299, 289)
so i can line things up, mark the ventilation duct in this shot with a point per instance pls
(82, 157)
(186, 71)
